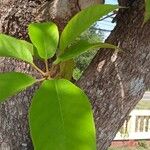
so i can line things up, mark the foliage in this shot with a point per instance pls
(77, 73)
(60, 116)
(11, 47)
(65, 128)
(93, 36)
(80, 47)
(143, 144)
(23, 81)
(40, 35)
(82, 63)
(71, 31)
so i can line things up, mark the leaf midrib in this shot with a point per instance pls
(61, 114)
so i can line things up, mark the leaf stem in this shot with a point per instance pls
(39, 80)
(38, 69)
(57, 61)
(46, 65)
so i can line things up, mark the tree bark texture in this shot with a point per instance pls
(15, 15)
(115, 82)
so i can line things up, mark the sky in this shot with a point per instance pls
(111, 1)
(107, 24)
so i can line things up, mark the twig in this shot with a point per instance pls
(108, 16)
(105, 30)
(46, 65)
(38, 69)
(39, 80)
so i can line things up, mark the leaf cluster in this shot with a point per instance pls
(60, 115)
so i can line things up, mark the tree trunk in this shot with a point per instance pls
(15, 15)
(115, 82)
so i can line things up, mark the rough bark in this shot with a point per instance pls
(115, 82)
(15, 15)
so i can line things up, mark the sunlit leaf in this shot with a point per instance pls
(45, 37)
(13, 82)
(81, 47)
(12, 47)
(81, 21)
(61, 118)
(29, 46)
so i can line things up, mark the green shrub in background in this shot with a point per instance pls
(82, 61)
(143, 144)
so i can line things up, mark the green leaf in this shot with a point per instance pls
(13, 82)
(45, 37)
(66, 69)
(79, 48)
(81, 21)
(61, 118)
(12, 47)
(147, 11)
(29, 46)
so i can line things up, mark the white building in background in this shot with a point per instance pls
(137, 126)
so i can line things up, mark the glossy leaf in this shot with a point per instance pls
(81, 21)
(12, 47)
(147, 11)
(13, 82)
(29, 46)
(79, 48)
(61, 118)
(45, 37)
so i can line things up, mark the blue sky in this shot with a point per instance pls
(111, 1)
(107, 24)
